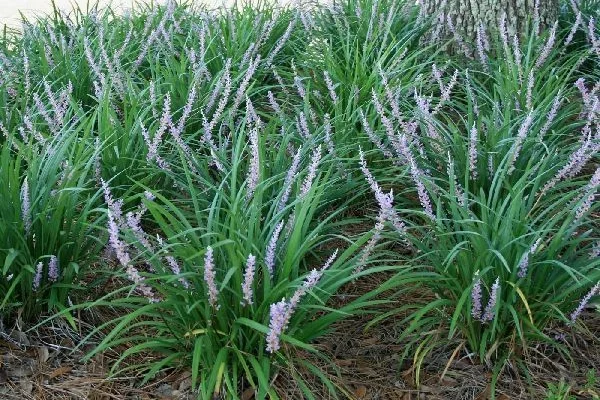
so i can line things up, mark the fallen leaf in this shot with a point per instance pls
(360, 392)
(59, 371)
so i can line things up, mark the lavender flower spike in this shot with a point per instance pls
(26, 207)
(312, 172)
(248, 280)
(277, 324)
(37, 279)
(53, 271)
(254, 170)
(524, 263)
(473, 151)
(488, 315)
(583, 303)
(210, 278)
(310, 282)
(272, 248)
(547, 47)
(476, 308)
(289, 180)
(591, 187)
(330, 87)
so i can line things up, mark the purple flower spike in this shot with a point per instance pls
(248, 280)
(584, 302)
(53, 271)
(488, 315)
(272, 248)
(477, 307)
(210, 278)
(277, 325)
(26, 207)
(37, 279)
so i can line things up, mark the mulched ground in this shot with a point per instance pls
(365, 364)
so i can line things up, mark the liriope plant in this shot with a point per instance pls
(501, 218)
(232, 276)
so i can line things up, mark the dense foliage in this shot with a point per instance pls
(217, 175)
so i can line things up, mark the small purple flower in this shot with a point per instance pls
(584, 302)
(210, 278)
(488, 315)
(248, 280)
(37, 279)
(53, 270)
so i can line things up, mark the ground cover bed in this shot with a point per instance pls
(327, 201)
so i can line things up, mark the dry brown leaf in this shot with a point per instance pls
(343, 363)
(59, 371)
(360, 392)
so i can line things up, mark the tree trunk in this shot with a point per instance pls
(462, 18)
